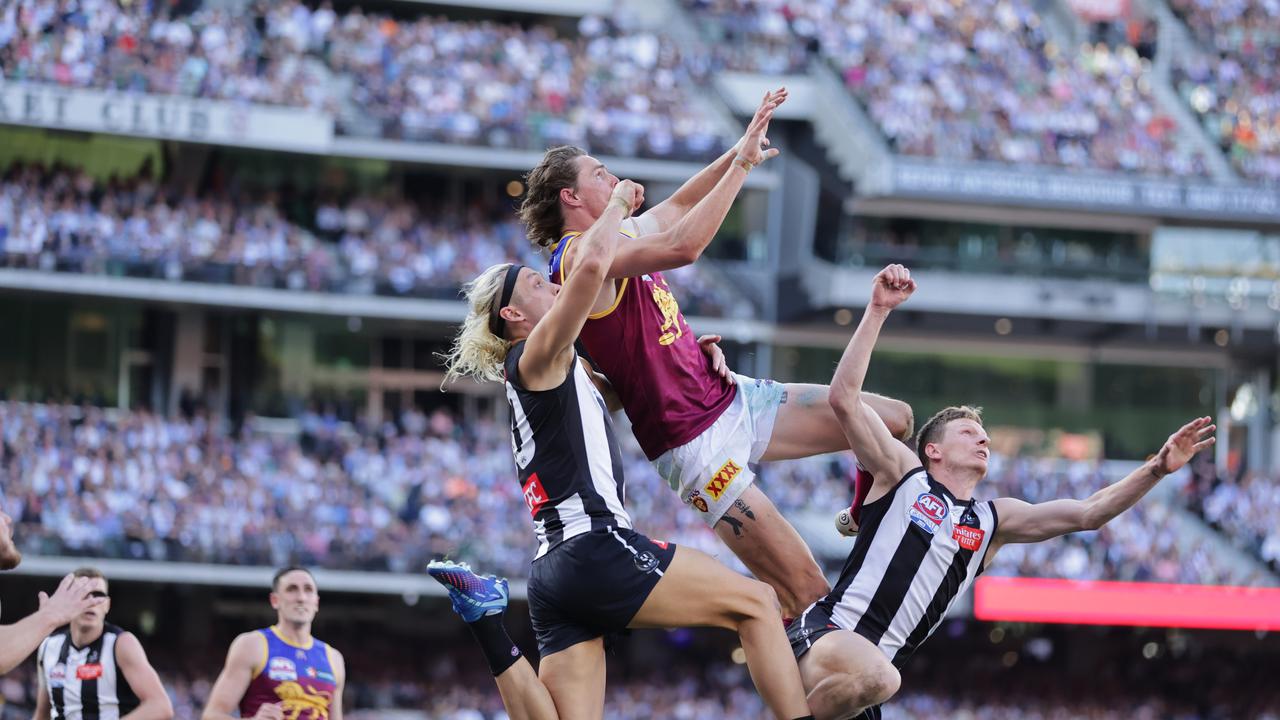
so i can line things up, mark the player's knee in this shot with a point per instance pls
(880, 684)
(851, 692)
(754, 601)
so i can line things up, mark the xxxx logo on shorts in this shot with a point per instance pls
(720, 481)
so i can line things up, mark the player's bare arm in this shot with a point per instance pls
(246, 651)
(877, 448)
(547, 352)
(153, 701)
(19, 640)
(685, 240)
(42, 694)
(1022, 522)
(667, 213)
(340, 676)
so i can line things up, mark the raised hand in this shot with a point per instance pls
(69, 600)
(754, 145)
(1181, 446)
(891, 287)
(629, 192)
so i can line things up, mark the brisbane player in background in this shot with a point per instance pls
(282, 672)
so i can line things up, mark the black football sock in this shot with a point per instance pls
(495, 643)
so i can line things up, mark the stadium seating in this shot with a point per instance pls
(431, 78)
(973, 81)
(61, 219)
(1231, 79)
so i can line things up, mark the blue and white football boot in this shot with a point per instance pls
(473, 596)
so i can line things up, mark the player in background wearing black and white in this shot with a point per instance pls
(93, 670)
(593, 575)
(19, 640)
(923, 539)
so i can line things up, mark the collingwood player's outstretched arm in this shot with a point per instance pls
(880, 453)
(545, 361)
(1022, 522)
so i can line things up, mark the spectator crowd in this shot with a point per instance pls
(83, 481)
(429, 78)
(1242, 506)
(61, 219)
(979, 81)
(970, 81)
(1232, 79)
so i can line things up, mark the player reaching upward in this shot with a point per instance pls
(592, 575)
(923, 538)
(699, 431)
(282, 672)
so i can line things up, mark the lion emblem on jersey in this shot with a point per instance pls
(670, 309)
(303, 703)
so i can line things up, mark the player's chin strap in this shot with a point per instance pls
(497, 325)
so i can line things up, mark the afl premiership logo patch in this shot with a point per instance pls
(928, 512)
(282, 670)
(646, 562)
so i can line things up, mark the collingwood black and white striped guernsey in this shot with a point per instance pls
(85, 683)
(567, 457)
(918, 549)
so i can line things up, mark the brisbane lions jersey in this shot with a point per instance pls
(647, 351)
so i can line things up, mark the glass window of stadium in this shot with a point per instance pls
(350, 368)
(101, 353)
(988, 248)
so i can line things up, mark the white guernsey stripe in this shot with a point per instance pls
(576, 523)
(93, 667)
(567, 458)
(928, 577)
(597, 438)
(926, 549)
(857, 598)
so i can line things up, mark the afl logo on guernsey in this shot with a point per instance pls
(282, 670)
(928, 512)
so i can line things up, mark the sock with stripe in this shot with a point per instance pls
(495, 643)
